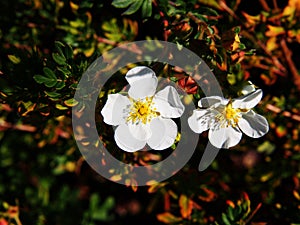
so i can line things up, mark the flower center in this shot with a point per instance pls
(229, 116)
(142, 111)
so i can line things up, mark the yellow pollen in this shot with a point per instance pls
(142, 111)
(229, 116)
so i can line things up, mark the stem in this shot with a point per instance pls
(287, 114)
(293, 69)
(227, 9)
(18, 221)
(264, 4)
(253, 213)
(275, 4)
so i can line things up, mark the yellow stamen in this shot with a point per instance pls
(142, 111)
(229, 116)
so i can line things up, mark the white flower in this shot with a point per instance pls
(143, 117)
(227, 119)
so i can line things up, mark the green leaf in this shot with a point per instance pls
(122, 3)
(242, 46)
(94, 201)
(49, 73)
(237, 29)
(266, 147)
(147, 8)
(230, 214)
(134, 7)
(66, 72)
(60, 85)
(49, 79)
(44, 80)
(59, 46)
(231, 79)
(68, 52)
(60, 107)
(108, 203)
(14, 59)
(52, 94)
(100, 215)
(59, 59)
(71, 102)
(225, 219)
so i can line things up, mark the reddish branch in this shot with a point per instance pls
(288, 56)
(288, 114)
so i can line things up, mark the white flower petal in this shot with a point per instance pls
(200, 120)
(140, 131)
(142, 81)
(126, 141)
(168, 103)
(164, 132)
(247, 89)
(253, 124)
(212, 101)
(224, 137)
(115, 109)
(139, 73)
(248, 101)
(143, 88)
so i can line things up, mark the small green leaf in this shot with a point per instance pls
(99, 215)
(108, 203)
(71, 102)
(266, 147)
(225, 219)
(77, 23)
(147, 8)
(94, 201)
(60, 107)
(64, 71)
(60, 85)
(59, 46)
(242, 46)
(52, 94)
(44, 80)
(68, 52)
(49, 73)
(122, 3)
(237, 29)
(59, 59)
(134, 7)
(231, 79)
(230, 214)
(14, 59)
(49, 79)
(174, 79)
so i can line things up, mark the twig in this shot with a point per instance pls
(264, 4)
(288, 114)
(223, 5)
(275, 4)
(253, 213)
(288, 56)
